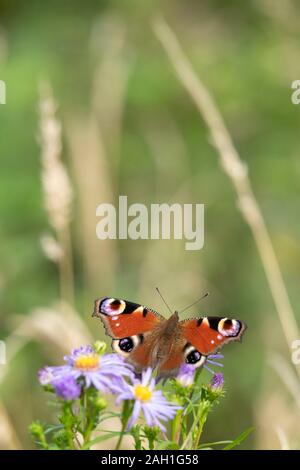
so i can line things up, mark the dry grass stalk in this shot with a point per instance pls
(271, 410)
(51, 248)
(8, 436)
(93, 182)
(283, 440)
(287, 375)
(60, 328)
(57, 188)
(236, 170)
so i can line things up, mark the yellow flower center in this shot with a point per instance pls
(142, 392)
(87, 362)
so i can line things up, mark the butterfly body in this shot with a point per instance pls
(147, 339)
(158, 344)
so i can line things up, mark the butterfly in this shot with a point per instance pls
(146, 339)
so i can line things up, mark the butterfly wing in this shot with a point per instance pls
(133, 328)
(123, 319)
(208, 334)
(197, 339)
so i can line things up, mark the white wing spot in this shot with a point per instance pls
(115, 317)
(219, 337)
(212, 341)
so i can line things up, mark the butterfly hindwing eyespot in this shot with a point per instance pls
(125, 346)
(193, 356)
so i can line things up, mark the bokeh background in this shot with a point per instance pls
(123, 124)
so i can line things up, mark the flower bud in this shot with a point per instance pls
(100, 347)
(186, 375)
(216, 384)
(36, 429)
(100, 403)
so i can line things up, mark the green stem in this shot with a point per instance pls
(151, 444)
(125, 417)
(69, 427)
(201, 419)
(175, 432)
(121, 437)
(88, 423)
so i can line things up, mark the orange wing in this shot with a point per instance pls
(209, 334)
(122, 319)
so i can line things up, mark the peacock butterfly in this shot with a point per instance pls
(146, 338)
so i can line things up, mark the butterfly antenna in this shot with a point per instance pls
(160, 294)
(194, 303)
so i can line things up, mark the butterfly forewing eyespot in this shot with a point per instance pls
(209, 334)
(112, 307)
(228, 327)
(224, 326)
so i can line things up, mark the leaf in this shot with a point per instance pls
(238, 440)
(108, 415)
(51, 428)
(217, 443)
(102, 438)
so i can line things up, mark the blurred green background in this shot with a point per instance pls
(129, 127)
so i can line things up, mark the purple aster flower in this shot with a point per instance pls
(216, 384)
(152, 403)
(105, 372)
(47, 374)
(186, 375)
(67, 388)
